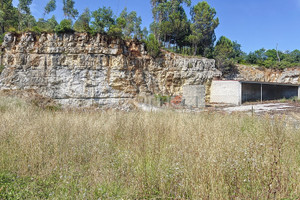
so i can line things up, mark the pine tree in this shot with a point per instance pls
(69, 11)
(203, 26)
(82, 23)
(133, 24)
(50, 7)
(103, 20)
(8, 15)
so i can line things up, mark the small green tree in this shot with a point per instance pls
(42, 24)
(52, 23)
(257, 57)
(102, 20)
(24, 6)
(116, 29)
(69, 11)
(27, 22)
(204, 23)
(8, 16)
(152, 46)
(83, 22)
(65, 26)
(47, 25)
(145, 33)
(50, 7)
(24, 14)
(224, 53)
(133, 24)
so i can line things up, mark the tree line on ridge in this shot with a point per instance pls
(172, 29)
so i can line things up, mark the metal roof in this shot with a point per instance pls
(270, 83)
(264, 83)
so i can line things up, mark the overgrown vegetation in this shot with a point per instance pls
(137, 155)
(273, 58)
(65, 26)
(162, 98)
(228, 53)
(153, 46)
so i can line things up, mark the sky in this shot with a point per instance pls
(254, 24)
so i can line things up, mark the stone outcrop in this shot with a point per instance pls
(248, 73)
(81, 70)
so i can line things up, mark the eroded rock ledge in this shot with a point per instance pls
(81, 70)
(248, 73)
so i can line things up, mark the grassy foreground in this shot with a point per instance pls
(137, 155)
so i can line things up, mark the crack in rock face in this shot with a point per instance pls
(82, 70)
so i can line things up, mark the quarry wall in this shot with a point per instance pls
(81, 70)
(255, 73)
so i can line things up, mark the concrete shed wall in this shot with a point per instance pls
(226, 92)
(194, 95)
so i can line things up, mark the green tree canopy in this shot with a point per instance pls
(47, 25)
(152, 46)
(204, 23)
(83, 22)
(133, 24)
(64, 26)
(166, 12)
(69, 11)
(117, 29)
(24, 6)
(8, 15)
(50, 7)
(102, 20)
(224, 52)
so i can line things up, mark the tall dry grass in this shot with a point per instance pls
(140, 155)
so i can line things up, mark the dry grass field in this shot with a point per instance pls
(68, 154)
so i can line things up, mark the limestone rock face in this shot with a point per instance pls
(288, 75)
(81, 70)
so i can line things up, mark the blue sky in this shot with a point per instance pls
(252, 23)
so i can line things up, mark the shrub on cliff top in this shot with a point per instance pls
(65, 26)
(152, 46)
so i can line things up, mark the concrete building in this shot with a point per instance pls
(238, 92)
(194, 95)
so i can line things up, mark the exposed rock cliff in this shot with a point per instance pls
(80, 70)
(248, 73)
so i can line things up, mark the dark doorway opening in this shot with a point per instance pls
(265, 91)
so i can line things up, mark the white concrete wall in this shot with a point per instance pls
(229, 92)
(298, 92)
(194, 95)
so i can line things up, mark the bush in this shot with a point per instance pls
(36, 29)
(268, 63)
(65, 26)
(284, 64)
(116, 30)
(12, 29)
(162, 98)
(152, 46)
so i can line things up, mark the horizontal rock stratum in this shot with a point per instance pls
(80, 70)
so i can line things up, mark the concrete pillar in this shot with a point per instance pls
(194, 95)
(240, 92)
(298, 92)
